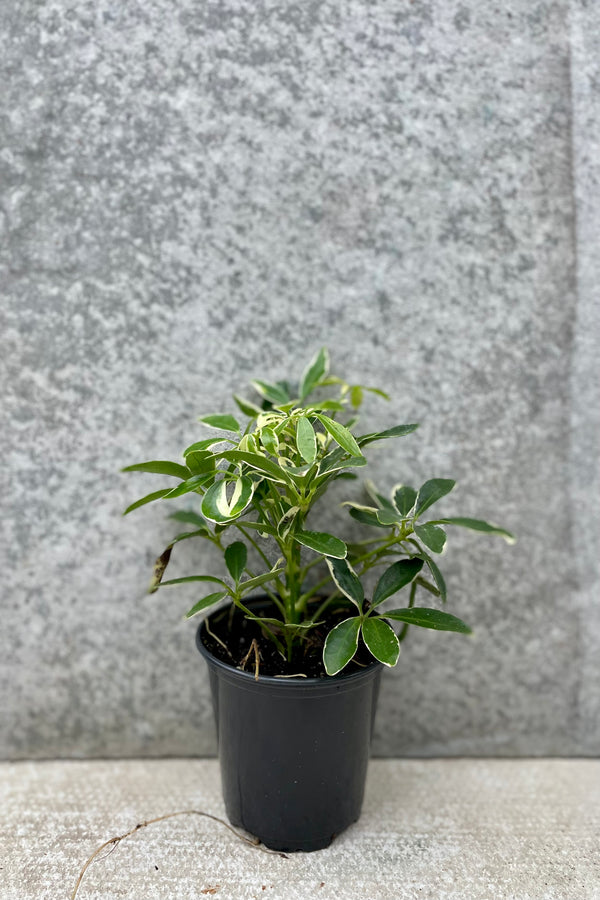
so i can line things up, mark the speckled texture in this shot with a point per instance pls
(585, 373)
(451, 829)
(196, 195)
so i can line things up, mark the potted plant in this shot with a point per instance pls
(295, 672)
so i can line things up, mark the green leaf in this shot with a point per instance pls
(190, 578)
(340, 645)
(432, 491)
(248, 444)
(269, 440)
(155, 495)
(356, 395)
(271, 417)
(160, 467)
(299, 471)
(210, 600)
(192, 484)
(477, 525)
(248, 408)
(404, 498)
(422, 582)
(381, 640)
(395, 578)
(200, 462)
(428, 618)
(347, 581)
(381, 501)
(432, 536)
(258, 462)
(287, 521)
(437, 575)
(339, 459)
(321, 542)
(388, 516)
(438, 578)
(368, 515)
(262, 527)
(251, 583)
(316, 370)
(327, 405)
(217, 506)
(341, 435)
(223, 422)
(306, 440)
(274, 393)
(377, 391)
(204, 445)
(201, 532)
(396, 431)
(236, 556)
(189, 516)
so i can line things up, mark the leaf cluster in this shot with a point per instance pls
(262, 477)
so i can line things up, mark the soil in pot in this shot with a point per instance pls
(234, 639)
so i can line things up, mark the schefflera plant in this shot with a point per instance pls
(263, 478)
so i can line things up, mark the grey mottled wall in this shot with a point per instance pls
(194, 194)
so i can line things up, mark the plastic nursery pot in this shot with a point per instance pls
(293, 752)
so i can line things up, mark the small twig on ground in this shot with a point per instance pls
(296, 675)
(113, 842)
(253, 649)
(217, 639)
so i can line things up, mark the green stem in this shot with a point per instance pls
(324, 581)
(267, 562)
(414, 543)
(291, 553)
(306, 569)
(325, 604)
(251, 540)
(382, 561)
(273, 597)
(365, 543)
(274, 493)
(304, 598)
(372, 553)
(217, 541)
(249, 612)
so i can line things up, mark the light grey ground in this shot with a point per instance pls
(430, 829)
(198, 193)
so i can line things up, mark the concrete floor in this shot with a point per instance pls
(439, 829)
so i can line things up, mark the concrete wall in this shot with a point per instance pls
(201, 193)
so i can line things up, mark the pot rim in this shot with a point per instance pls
(291, 682)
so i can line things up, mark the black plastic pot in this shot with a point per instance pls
(293, 752)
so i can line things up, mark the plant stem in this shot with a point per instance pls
(325, 604)
(265, 627)
(304, 598)
(292, 553)
(306, 569)
(395, 538)
(251, 540)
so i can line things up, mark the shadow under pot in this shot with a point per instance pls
(293, 751)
